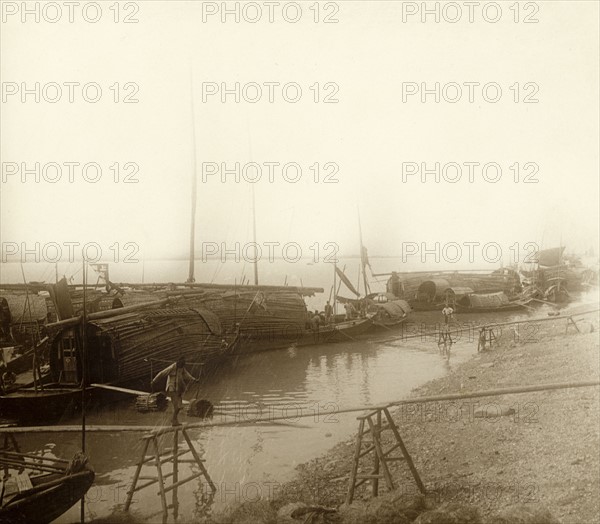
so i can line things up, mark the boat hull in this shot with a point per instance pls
(328, 333)
(50, 405)
(383, 325)
(45, 504)
(508, 307)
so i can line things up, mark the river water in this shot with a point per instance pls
(249, 461)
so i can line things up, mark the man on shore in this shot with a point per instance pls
(177, 378)
(448, 313)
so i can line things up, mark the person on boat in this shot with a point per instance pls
(350, 311)
(315, 323)
(328, 312)
(3, 369)
(363, 308)
(177, 378)
(394, 285)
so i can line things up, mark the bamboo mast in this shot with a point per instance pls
(362, 255)
(254, 237)
(83, 374)
(334, 289)
(194, 190)
(34, 343)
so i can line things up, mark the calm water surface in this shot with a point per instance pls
(248, 461)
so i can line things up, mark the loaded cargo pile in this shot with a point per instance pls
(253, 313)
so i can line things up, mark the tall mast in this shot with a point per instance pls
(334, 288)
(254, 238)
(194, 190)
(362, 254)
(83, 372)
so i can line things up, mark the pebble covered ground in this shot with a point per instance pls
(537, 448)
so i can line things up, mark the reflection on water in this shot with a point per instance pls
(247, 461)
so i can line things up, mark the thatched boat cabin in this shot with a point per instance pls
(132, 346)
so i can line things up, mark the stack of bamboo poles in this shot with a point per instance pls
(150, 403)
(253, 311)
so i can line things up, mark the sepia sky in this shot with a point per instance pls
(170, 53)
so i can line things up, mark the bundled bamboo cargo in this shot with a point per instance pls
(151, 403)
(263, 319)
(135, 345)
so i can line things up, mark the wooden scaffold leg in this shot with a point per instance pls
(486, 339)
(381, 457)
(571, 322)
(153, 457)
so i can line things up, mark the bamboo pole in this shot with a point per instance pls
(362, 255)
(541, 319)
(304, 290)
(194, 192)
(254, 236)
(83, 374)
(415, 400)
(108, 313)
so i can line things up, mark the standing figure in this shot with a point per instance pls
(448, 313)
(315, 322)
(350, 311)
(177, 378)
(328, 312)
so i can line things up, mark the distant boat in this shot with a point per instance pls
(389, 313)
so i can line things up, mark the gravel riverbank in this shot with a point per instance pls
(537, 448)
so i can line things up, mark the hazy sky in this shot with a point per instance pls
(369, 133)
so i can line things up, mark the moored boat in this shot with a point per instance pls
(40, 489)
(121, 349)
(388, 314)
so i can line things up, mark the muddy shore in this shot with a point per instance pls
(535, 448)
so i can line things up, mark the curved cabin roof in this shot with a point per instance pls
(434, 288)
(396, 308)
